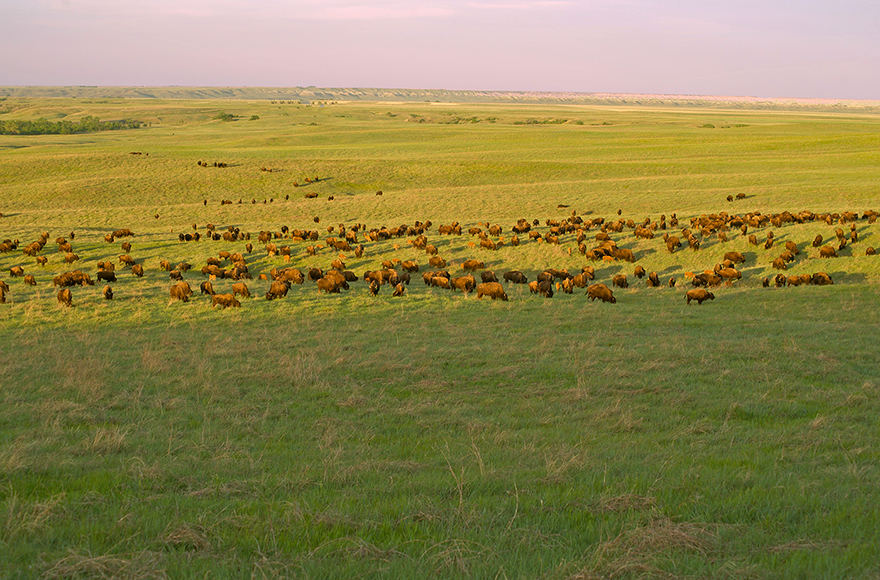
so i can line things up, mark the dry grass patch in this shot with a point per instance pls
(638, 552)
(105, 441)
(21, 518)
(144, 565)
(187, 537)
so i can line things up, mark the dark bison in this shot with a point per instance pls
(106, 276)
(488, 276)
(699, 294)
(545, 288)
(620, 281)
(206, 287)
(602, 292)
(491, 289)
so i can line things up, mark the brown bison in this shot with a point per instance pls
(206, 288)
(374, 288)
(493, 290)
(16, 271)
(278, 289)
(241, 289)
(515, 277)
(700, 295)
(729, 274)
(619, 280)
(437, 262)
(138, 270)
(181, 291)
(440, 282)
(409, 266)
(464, 283)
(821, 279)
(225, 300)
(328, 284)
(473, 265)
(126, 259)
(399, 290)
(545, 288)
(488, 276)
(653, 280)
(602, 292)
(106, 276)
(65, 298)
(639, 272)
(735, 257)
(779, 264)
(870, 251)
(827, 252)
(107, 292)
(30, 280)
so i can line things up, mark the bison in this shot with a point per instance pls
(65, 298)
(206, 288)
(181, 291)
(30, 280)
(545, 288)
(225, 300)
(104, 276)
(827, 252)
(278, 289)
(138, 270)
(241, 289)
(107, 292)
(700, 295)
(493, 290)
(602, 292)
(619, 280)
(515, 277)
(399, 290)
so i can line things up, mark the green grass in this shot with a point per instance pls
(346, 435)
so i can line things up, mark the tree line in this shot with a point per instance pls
(41, 126)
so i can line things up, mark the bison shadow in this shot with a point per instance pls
(848, 277)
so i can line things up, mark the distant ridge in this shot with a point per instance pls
(308, 94)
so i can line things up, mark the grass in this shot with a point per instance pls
(347, 435)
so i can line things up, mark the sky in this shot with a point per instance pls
(761, 48)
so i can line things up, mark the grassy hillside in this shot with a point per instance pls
(436, 434)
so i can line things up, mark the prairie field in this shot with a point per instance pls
(434, 434)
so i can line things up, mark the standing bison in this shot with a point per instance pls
(491, 289)
(700, 295)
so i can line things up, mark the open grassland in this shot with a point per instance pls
(347, 435)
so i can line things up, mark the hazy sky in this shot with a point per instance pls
(765, 48)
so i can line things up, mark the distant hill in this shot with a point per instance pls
(308, 94)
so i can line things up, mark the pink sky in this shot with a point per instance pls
(763, 48)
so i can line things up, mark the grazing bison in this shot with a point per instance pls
(206, 287)
(488, 276)
(792, 247)
(138, 270)
(464, 283)
(827, 252)
(870, 251)
(107, 292)
(729, 274)
(619, 280)
(473, 265)
(639, 272)
(700, 295)
(409, 266)
(175, 275)
(241, 289)
(126, 259)
(399, 290)
(181, 291)
(328, 284)
(545, 288)
(225, 300)
(104, 276)
(278, 289)
(779, 264)
(437, 262)
(653, 280)
(735, 257)
(65, 298)
(602, 292)
(42, 260)
(440, 282)
(493, 290)
(817, 241)
(16, 271)
(821, 279)
(374, 287)
(30, 280)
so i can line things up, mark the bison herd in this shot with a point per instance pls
(591, 238)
